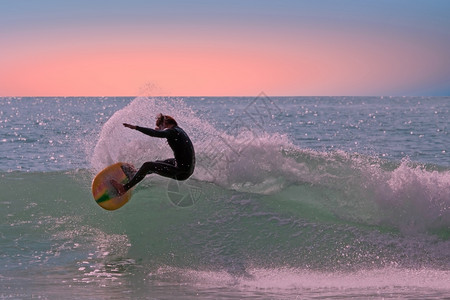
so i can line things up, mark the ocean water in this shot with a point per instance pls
(292, 198)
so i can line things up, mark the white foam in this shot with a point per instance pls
(413, 198)
(301, 279)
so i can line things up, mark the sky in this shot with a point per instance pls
(225, 48)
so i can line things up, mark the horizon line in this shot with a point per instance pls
(221, 96)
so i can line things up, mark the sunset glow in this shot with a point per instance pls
(231, 48)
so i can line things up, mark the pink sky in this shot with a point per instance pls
(299, 49)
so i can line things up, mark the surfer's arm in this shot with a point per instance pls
(153, 132)
(129, 126)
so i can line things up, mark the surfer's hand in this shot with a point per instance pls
(129, 126)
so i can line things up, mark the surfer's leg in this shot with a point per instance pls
(145, 169)
(170, 169)
(166, 168)
(138, 177)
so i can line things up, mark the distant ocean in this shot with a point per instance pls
(292, 198)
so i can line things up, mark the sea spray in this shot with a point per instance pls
(117, 143)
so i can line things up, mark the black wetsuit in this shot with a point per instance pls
(180, 168)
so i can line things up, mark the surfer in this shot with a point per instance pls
(180, 167)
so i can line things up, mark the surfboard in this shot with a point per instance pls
(104, 193)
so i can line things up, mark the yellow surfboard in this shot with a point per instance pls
(104, 193)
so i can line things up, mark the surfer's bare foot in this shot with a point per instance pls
(119, 187)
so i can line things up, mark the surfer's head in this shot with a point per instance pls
(163, 121)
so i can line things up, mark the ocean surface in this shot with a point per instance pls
(292, 198)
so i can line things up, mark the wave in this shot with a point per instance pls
(255, 202)
(406, 195)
